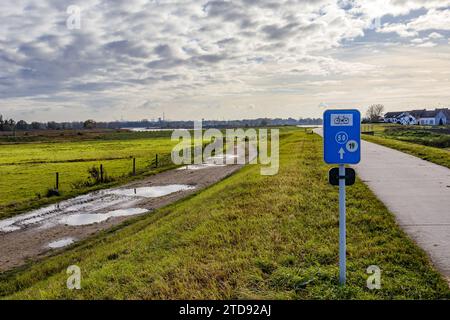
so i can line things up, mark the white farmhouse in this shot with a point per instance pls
(404, 118)
(391, 117)
(422, 117)
(437, 117)
(428, 118)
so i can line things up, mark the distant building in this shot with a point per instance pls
(428, 118)
(443, 116)
(393, 117)
(421, 117)
(404, 118)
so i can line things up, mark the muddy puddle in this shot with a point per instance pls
(222, 159)
(91, 208)
(61, 243)
(152, 192)
(82, 219)
(212, 162)
(200, 166)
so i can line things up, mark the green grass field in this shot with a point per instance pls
(249, 236)
(416, 141)
(27, 170)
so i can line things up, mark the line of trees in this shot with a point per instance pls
(7, 125)
(12, 125)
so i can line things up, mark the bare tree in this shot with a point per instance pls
(374, 112)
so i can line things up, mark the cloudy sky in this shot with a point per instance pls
(134, 59)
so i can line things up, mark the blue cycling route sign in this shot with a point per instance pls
(342, 136)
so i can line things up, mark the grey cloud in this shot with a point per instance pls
(149, 106)
(229, 12)
(125, 47)
(94, 86)
(227, 41)
(200, 60)
(275, 32)
(210, 58)
(163, 50)
(165, 63)
(264, 4)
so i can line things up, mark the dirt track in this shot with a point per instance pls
(29, 241)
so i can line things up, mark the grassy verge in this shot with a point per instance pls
(435, 155)
(249, 236)
(438, 137)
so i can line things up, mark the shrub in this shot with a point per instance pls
(52, 193)
(94, 178)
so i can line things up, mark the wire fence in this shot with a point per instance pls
(99, 174)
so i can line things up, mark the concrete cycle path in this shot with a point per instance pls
(416, 191)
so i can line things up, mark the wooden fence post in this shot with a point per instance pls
(57, 182)
(156, 161)
(101, 173)
(134, 166)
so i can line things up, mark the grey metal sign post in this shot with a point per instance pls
(342, 140)
(342, 226)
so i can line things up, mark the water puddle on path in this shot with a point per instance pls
(82, 219)
(200, 166)
(61, 243)
(212, 162)
(222, 159)
(91, 208)
(152, 192)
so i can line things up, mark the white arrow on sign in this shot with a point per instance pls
(341, 153)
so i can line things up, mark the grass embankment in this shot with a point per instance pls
(438, 137)
(432, 154)
(27, 170)
(249, 236)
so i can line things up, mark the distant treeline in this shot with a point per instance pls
(11, 124)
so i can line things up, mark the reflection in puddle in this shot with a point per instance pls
(152, 192)
(61, 243)
(214, 161)
(8, 227)
(222, 159)
(200, 166)
(90, 208)
(82, 219)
